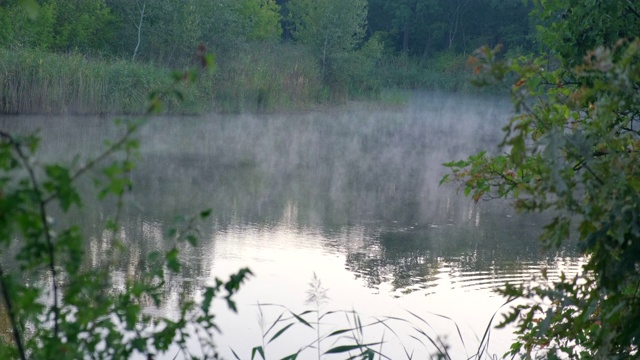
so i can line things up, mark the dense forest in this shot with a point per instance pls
(269, 54)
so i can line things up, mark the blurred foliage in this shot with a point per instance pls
(571, 28)
(572, 151)
(60, 305)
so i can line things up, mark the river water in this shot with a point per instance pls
(350, 195)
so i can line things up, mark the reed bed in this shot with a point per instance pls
(446, 72)
(33, 81)
(268, 77)
(347, 335)
(258, 77)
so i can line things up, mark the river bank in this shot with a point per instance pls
(258, 80)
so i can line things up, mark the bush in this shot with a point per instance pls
(57, 304)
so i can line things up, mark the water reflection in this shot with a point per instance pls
(473, 259)
(350, 194)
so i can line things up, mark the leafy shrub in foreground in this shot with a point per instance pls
(57, 305)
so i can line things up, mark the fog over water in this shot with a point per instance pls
(351, 194)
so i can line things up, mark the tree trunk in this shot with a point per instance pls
(139, 27)
(427, 44)
(405, 39)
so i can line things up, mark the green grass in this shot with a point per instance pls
(38, 82)
(262, 77)
(268, 77)
(394, 97)
(445, 71)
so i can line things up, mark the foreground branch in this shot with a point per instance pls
(12, 316)
(41, 203)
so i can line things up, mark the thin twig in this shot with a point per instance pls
(593, 173)
(630, 129)
(632, 9)
(119, 205)
(45, 226)
(12, 316)
(91, 164)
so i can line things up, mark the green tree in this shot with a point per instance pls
(84, 25)
(18, 28)
(172, 30)
(81, 24)
(406, 15)
(263, 17)
(571, 28)
(573, 151)
(331, 28)
(425, 27)
(167, 31)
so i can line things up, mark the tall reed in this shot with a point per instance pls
(258, 77)
(353, 337)
(268, 77)
(33, 81)
(446, 71)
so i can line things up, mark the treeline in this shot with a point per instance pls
(423, 28)
(306, 50)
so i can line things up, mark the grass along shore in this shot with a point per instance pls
(34, 81)
(256, 79)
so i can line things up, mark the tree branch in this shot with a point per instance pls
(593, 174)
(12, 316)
(91, 164)
(139, 27)
(41, 203)
(637, 132)
(632, 9)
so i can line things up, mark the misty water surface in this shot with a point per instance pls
(351, 194)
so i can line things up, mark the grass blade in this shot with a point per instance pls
(258, 349)
(300, 319)
(339, 332)
(280, 332)
(273, 325)
(346, 348)
(291, 357)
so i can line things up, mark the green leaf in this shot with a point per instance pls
(280, 332)
(60, 184)
(301, 320)
(339, 332)
(208, 296)
(347, 348)
(210, 63)
(172, 260)
(444, 179)
(290, 357)
(257, 349)
(192, 239)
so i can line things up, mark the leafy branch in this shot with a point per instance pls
(44, 222)
(572, 151)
